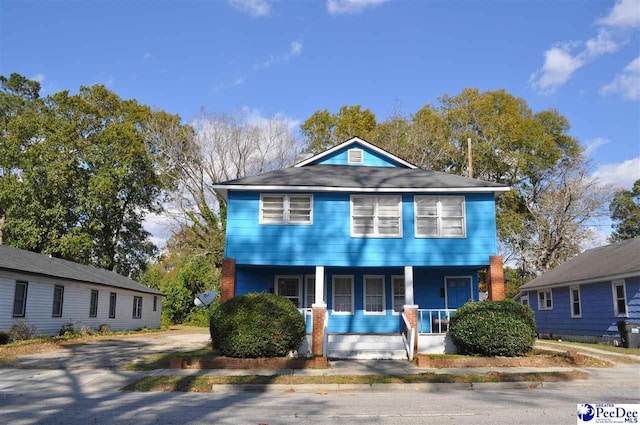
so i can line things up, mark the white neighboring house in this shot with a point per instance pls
(49, 292)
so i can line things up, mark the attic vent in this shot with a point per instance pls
(356, 156)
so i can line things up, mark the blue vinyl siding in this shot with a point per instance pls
(428, 283)
(370, 158)
(598, 318)
(328, 242)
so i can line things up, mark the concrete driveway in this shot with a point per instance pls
(114, 352)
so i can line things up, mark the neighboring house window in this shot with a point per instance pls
(356, 156)
(576, 306)
(374, 295)
(376, 216)
(310, 284)
(155, 303)
(545, 302)
(289, 288)
(137, 307)
(93, 306)
(619, 297)
(524, 300)
(342, 294)
(58, 298)
(286, 209)
(397, 286)
(112, 305)
(439, 216)
(20, 299)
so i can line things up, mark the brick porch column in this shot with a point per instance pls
(319, 312)
(495, 278)
(228, 281)
(411, 311)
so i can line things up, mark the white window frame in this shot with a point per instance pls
(333, 295)
(376, 233)
(614, 284)
(523, 298)
(286, 210)
(298, 278)
(438, 217)
(572, 301)
(394, 278)
(137, 307)
(354, 150)
(364, 295)
(550, 297)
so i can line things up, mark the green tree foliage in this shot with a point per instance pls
(77, 178)
(493, 328)
(625, 213)
(257, 325)
(324, 129)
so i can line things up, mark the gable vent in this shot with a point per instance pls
(356, 156)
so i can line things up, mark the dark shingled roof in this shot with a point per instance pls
(19, 260)
(347, 176)
(622, 258)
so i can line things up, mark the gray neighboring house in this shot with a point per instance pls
(48, 292)
(584, 298)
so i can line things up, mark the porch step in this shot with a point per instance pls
(366, 346)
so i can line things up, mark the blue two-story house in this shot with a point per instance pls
(366, 244)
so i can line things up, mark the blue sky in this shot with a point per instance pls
(295, 57)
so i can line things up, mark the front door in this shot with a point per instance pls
(289, 287)
(458, 290)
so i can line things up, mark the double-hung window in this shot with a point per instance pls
(20, 299)
(58, 298)
(376, 216)
(286, 209)
(374, 295)
(137, 307)
(545, 301)
(397, 286)
(619, 298)
(439, 216)
(576, 305)
(112, 305)
(93, 305)
(342, 294)
(524, 300)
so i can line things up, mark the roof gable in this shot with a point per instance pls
(372, 156)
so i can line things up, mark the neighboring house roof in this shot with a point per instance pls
(19, 260)
(615, 261)
(345, 178)
(356, 140)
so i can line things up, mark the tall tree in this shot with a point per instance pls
(625, 213)
(324, 129)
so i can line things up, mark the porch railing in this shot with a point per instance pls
(307, 314)
(408, 336)
(434, 320)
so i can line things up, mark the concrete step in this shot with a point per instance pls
(368, 354)
(358, 345)
(366, 346)
(363, 337)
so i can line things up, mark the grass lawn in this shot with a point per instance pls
(163, 361)
(205, 383)
(604, 347)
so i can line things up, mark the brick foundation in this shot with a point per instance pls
(317, 333)
(228, 281)
(495, 278)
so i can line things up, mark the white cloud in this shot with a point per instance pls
(254, 8)
(38, 77)
(295, 49)
(621, 175)
(339, 7)
(253, 116)
(559, 66)
(626, 82)
(601, 43)
(146, 56)
(625, 13)
(593, 144)
(238, 82)
(161, 226)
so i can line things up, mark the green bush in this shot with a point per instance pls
(199, 316)
(257, 325)
(493, 328)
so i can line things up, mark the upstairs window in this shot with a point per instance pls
(545, 300)
(619, 298)
(376, 216)
(286, 209)
(356, 156)
(439, 217)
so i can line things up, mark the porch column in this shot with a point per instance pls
(319, 312)
(228, 281)
(410, 309)
(495, 278)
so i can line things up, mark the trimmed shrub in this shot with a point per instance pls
(257, 325)
(493, 328)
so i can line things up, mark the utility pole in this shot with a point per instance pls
(469, 157)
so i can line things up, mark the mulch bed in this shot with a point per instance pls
(261, 363)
